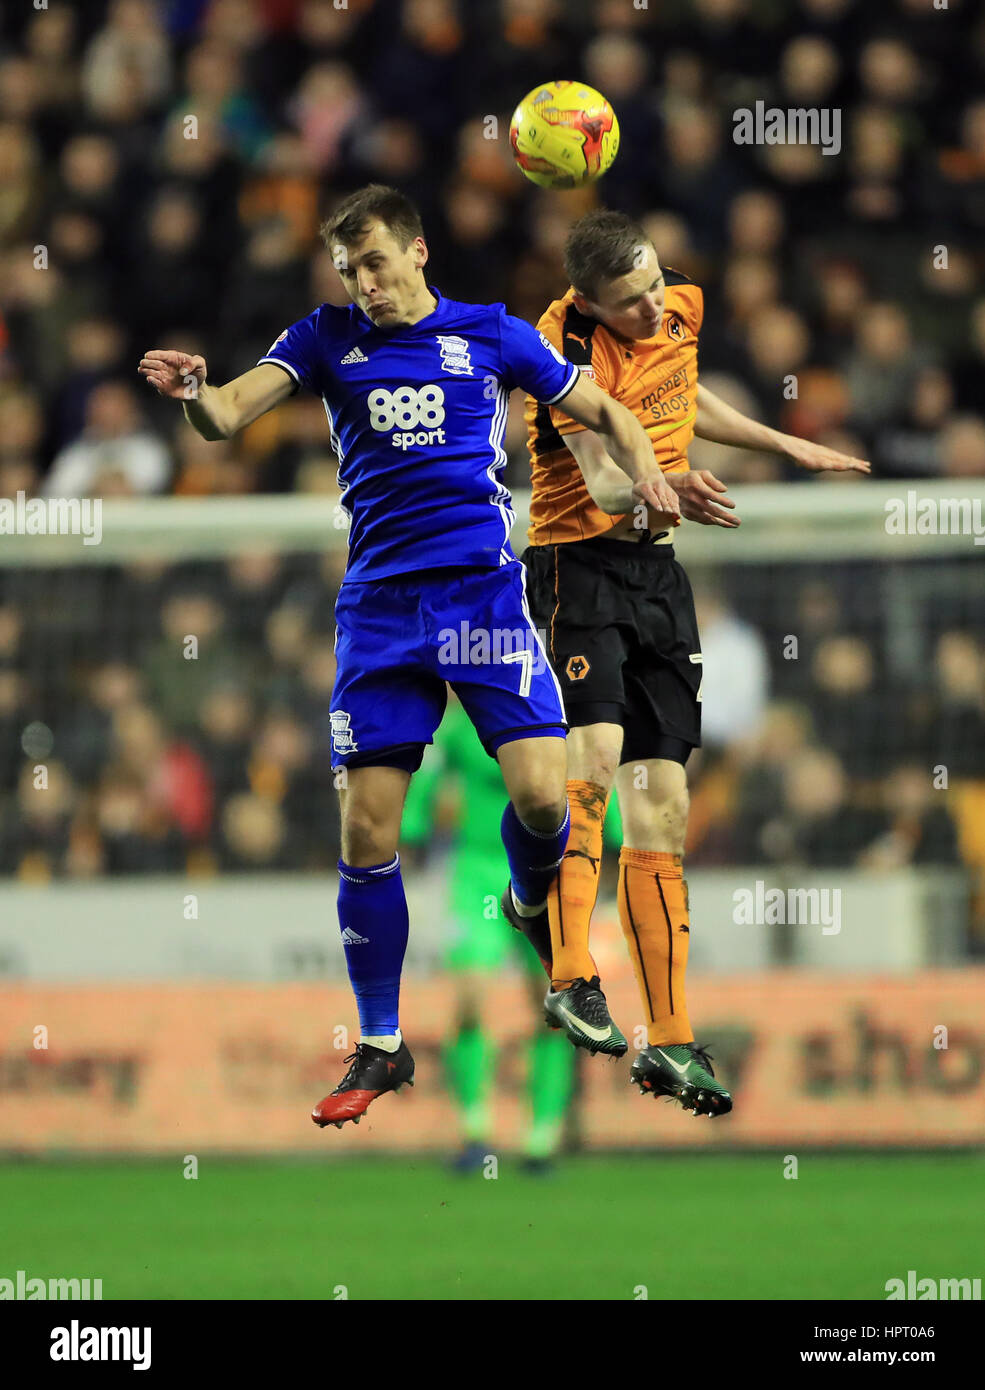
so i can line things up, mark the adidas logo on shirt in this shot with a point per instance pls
(351, 358)
(352, 938)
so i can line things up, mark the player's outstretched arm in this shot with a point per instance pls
(617, 448)
(721, 423)
(217, 412)
(702, 497)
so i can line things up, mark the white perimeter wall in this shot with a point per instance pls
(284, 927)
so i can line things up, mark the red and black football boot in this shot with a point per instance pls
(373, 1072)
(537, 930)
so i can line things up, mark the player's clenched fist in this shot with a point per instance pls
(172, 373)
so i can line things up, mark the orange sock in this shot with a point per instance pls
(653, 910)
(573, 893)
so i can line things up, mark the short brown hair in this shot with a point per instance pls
(601, 246)
(376, 201)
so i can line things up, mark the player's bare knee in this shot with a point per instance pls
(588, 762)
(676, 808)
(367, 838)
(657, 823)
(540, 806)
(675, 823)
(597, 767)
(670, 816)
(593, 758)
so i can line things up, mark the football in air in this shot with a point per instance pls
(564, 134)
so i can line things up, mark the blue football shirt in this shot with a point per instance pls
(417, 417)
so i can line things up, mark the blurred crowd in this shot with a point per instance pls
(127, 745)
(833, 736)
(179, 714)
(163, 172)
(164, 168)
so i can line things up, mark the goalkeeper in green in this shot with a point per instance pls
(459, 781)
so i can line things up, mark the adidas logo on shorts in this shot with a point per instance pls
(351, 358)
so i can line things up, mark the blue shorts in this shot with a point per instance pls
(399, 640)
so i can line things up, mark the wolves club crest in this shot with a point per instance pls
(577, 668)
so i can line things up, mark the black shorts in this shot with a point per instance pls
(622, 637)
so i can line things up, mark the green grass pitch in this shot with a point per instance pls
(711, 1227)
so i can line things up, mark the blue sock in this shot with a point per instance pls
(533, 855)
(373, 918)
